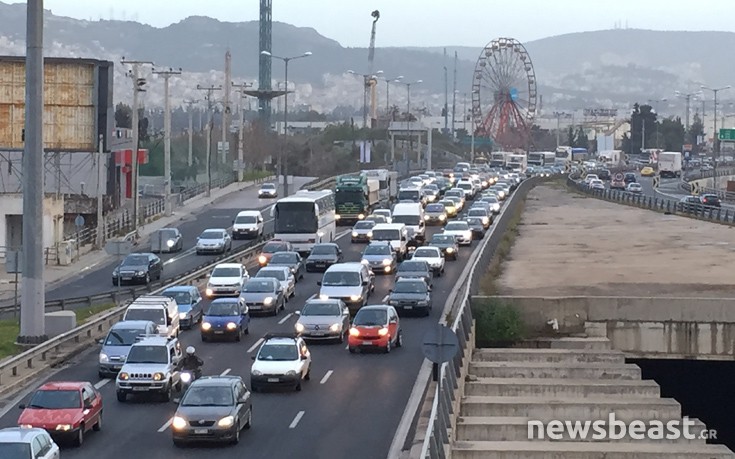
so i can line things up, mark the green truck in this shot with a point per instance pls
(355, 197)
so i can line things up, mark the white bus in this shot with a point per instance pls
(304, 219)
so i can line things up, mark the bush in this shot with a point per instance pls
(497, 324)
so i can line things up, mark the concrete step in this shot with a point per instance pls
(548, 355)
(545, 387)
(515, 428)
(570, 343)
(572, 408)
(554, 370)
(590, 450)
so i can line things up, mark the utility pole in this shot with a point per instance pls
(100, 192)
(454, 92)
(715, 135)
(656, 102)
(446, 95)
(226, 111)
(167, 138)
(138, 86)
(33, 295)
(189, 104)
(241, 132)
(210, 104)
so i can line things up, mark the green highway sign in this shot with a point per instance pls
(727, 134)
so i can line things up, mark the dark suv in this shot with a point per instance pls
(710, 200)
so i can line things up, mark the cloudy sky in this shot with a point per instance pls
(424, 22)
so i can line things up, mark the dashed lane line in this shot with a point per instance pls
(326, 377)
(296, 420)
(255, 345)
(98, 385)
(285, 318)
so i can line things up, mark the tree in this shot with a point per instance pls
(123, 116)
(570, 136)
(580, 139)
(641, 115)
(696, 129)
(672, 134)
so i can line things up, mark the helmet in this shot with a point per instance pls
(190, 350)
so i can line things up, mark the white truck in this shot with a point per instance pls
(669, 164)
(611, 158)
(517, 162)
(388, 182)
(412, 215)
(499, 158)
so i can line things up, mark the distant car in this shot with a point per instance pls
(597, 185)
(214, 241)
(263, 295)
(690, 203)
(271, 247)
(634, 188)
(247, 224)
(283, 275)
(189, 300)
(226, 279)
(447, 244)
(415, 269)
(281, 361)
(291, 260)
(648, 171)
(323, 320)
(116, 345)
(435, 213)
(167, 240)
(380, 257)
(67, 410)
(27, 443)
(213, 409)
(433, 256)
(376, 218)
(590, 177)
(485, 216)
(385, 213)
(477, 226)
(617, 184)
(630, 178)
(268, 190)
(226, 318)
(410, 295)
(710, 200)
(375, 327)
(363, 230)
(138, 268)
(450, 207)
(604, 174)
(493, 202)
(461, 232)
(322, 256)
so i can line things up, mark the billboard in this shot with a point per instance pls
(601, 112)
(77, 103)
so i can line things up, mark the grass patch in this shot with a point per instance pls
(250, 176)
(498, 324)
(84, 314)
(488, 283)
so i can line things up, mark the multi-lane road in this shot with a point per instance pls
(351, 407)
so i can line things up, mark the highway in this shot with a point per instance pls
(351, 407)
(98, 278)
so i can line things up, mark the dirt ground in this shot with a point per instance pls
(571, 245)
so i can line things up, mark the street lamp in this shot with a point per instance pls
(366, 77)
(283, 165)
(408, 114)
(388, 81)
(715, 139)
(656, 102)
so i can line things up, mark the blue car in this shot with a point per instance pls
(226, 318)
(190, 304)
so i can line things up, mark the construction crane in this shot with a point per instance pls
(371, 81)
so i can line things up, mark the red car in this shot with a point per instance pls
(67, 410)
(271, 247)
(375, 327)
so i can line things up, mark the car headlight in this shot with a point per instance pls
(323, 296)
(25, 426)
(123, 376)
(231, 325)
(354, 332)
(104, 358)
(450, 249)
(268, 300)
(337, 216)
(256, 372)
(64, 427)
(291, 373)
(262, 259)
(496, 206)
(361, 216)
(206, 326)
(178, 423)
(182, 315)
(442, 217)
(354, 234)
(335, 327)
(170, 243)
(209, 291)
(387, 262)
(423, 303)
(140, 273)
(370, 234)
(158, 376)
(383, 331)
(355, 297)
(227, 421)
(485, 220)
(427, 217)
(299, 327)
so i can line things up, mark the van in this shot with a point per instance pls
(396, 234)
(350, 282)
(412, 194)
(411, 215)
(161, 310)
(247, 224)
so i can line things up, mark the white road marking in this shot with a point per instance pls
(166, 426)
(385, 299)
(347, 346)
(296, 420)
(342, 234)
(255, 346)
(288, 316)
(326, 377)
(224, 373)
(101, 383)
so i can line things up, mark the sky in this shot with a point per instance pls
(424, 22)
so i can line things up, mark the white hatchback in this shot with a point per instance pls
(433, 256)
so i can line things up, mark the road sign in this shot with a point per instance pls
(223, 146)
(727, 135)
(656, 181)
(440, 344)
(119, 248)
(79, 221)
(619, 176)
(13, 262)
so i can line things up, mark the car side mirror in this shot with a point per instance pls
(87, 405)
(365, 282)
(346, 311)
(252, 357)
(303, 357)
(318, 282)
(298, 313)
(21, 407)
(390, 290)
(100, 341)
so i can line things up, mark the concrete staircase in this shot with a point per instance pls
(565, 380)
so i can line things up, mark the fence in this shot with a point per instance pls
(450, 376)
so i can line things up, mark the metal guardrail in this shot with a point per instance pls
(450, 382)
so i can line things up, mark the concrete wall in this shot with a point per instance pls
(53, 219)
(710, 183)
(690, 328)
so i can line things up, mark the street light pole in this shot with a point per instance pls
(282, 160)
(210, 125)
(408, 115)
(715, 137)
(167, 138)
(241, 132)
(189, 104)
(387, 93)
(656, 102)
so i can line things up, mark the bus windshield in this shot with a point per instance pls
(295, 217)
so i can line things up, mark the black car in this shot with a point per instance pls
(630, 178)
(291, 260)
(477, 227)
(138, 268)
(710, 200)
(604, 174)
(409, 295)
(415, 269)
(447, 244)
(323, 256)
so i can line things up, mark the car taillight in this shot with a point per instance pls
(312, 240)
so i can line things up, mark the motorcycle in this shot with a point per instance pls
(187, 377)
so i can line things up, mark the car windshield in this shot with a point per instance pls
(258, 286)
(123, 336)
(341, 278)
(377, 250)
(283, 258)
(407, 219)
(148, 354)
(386, 235)
(383, 212)
(364, 225)
(135, 260)
(490, 199)
(225, 308)
(324, 250)
(15, 450)
(274, 273)
(208, 396)
(283, 352)
(153, 314)
(273, 247)
(412, 266)
(456, 226)
(435, 208)
(55, 400)
(168, 233)
(268, 186)
(477, 212)
(223, 271)
(410, 287)
(180, 297)
(474, 221)
(447, 203)
(426, 252)
(246, 219)
(370, 317)
(321, 309)
(212, 235)
(441, 239)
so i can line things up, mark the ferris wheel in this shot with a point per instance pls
(504, 93)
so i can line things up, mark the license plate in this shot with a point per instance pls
(127, 278)
(201, 431)
(218, 332)
(140, 389)
(368, 343)
(408, 307)
(320, 265)
(117, 367)
(317, 334)
(273, 380)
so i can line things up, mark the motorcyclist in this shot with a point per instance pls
(192, 362)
